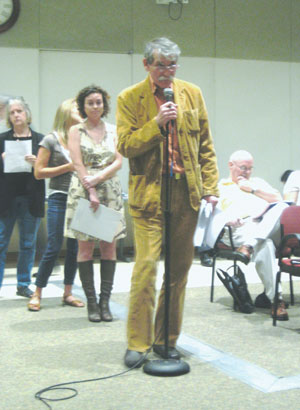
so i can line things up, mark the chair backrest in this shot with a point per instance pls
(290, 220)
(290, 223)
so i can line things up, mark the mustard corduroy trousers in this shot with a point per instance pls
(148, 234)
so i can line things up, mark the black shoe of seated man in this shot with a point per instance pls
(205, 259)
(263, 302)
(134, 359)
(243, 254)
(24, 291)
(172, 352)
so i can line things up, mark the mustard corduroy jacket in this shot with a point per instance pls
(141, 140)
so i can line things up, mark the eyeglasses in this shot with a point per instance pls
(162, 67)
(245, 169)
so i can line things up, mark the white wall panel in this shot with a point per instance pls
(20, 77)
(294, 147)
(63, 74)
(253, 113)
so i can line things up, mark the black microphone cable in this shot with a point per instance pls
(39, 395)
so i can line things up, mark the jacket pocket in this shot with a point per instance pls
(143, 196)
(191, 120)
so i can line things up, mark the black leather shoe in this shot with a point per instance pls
(205, 259)
(263, 302)
(24, 291)
(243, 254)
(172, 352)
(134, 359)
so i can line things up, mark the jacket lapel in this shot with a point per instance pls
(179, 98)
(147, 100)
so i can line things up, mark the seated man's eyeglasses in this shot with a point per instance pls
(245, 169)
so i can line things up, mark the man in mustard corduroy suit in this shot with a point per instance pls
(145, 115)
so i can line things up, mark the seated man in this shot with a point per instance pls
(292, 187)
(255, 232)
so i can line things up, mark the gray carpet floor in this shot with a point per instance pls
(237, 361)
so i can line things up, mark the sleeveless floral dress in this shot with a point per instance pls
(95, 156)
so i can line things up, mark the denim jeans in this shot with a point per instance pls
(55, 227)
(28, 227)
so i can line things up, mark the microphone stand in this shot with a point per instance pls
(167, 367)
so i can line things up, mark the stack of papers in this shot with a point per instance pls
(104, 224)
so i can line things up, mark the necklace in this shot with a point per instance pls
(22, 135)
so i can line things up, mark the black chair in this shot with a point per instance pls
(288, 251)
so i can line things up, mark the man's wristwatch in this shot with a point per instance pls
(253, 191)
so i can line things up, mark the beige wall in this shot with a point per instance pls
(254, 29)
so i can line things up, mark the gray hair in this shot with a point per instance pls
(24, 105)
(164, 47)
(240, 155)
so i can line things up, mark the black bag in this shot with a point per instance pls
(237, 287)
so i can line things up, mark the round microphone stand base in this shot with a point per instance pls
(166, 367)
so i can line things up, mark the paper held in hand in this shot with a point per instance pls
(104, 224)
(204, 217)
(15, 152)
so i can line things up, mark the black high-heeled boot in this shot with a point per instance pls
(108, 268)
(86, 274)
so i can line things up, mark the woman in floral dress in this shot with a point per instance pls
(92, 146)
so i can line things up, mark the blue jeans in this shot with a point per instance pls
(55, 227)
(28, 227)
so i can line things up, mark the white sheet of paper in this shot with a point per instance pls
(202, 225)
(220, 218)
(102, 224)
(14, 160)
(217, 223)
(210, 224)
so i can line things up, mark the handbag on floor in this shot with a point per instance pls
(238, 289)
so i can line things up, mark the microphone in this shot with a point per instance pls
(169, 94)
